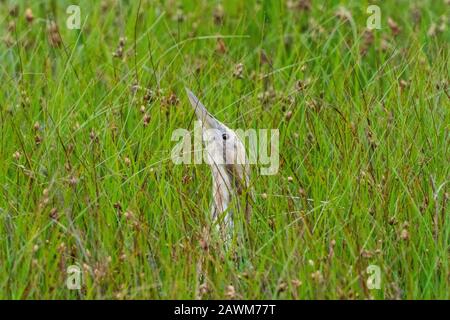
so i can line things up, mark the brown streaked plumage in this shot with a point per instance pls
(229, 166)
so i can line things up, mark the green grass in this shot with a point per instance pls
(367, 146)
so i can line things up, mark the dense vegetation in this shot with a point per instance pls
(86, 177)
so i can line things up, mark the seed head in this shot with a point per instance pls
(203, 288)
(38, 139)
(54, 214)
(16, 155)
(73, 181)
(288, 115)
(343, 14)
(282, 287)
(11, 26)
(395, 29)
(14, 11)
(220, 46)
(29, 15)
(296, 283)
(238, 71)
(218, 14)
(146, 119)
(317, 276)
(404, 235)
(230, 292)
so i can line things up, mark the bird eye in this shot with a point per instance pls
(224, 136)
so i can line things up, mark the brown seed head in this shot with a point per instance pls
(220, 46)
(16, 155)
(404, 235)
(29, 15)
(395, 29)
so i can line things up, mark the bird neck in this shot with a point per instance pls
(222, 189)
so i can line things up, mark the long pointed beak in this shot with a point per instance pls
(202, 114)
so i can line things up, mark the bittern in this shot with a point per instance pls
(230, 169)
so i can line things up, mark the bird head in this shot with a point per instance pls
(226, 156)
(222, 145)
